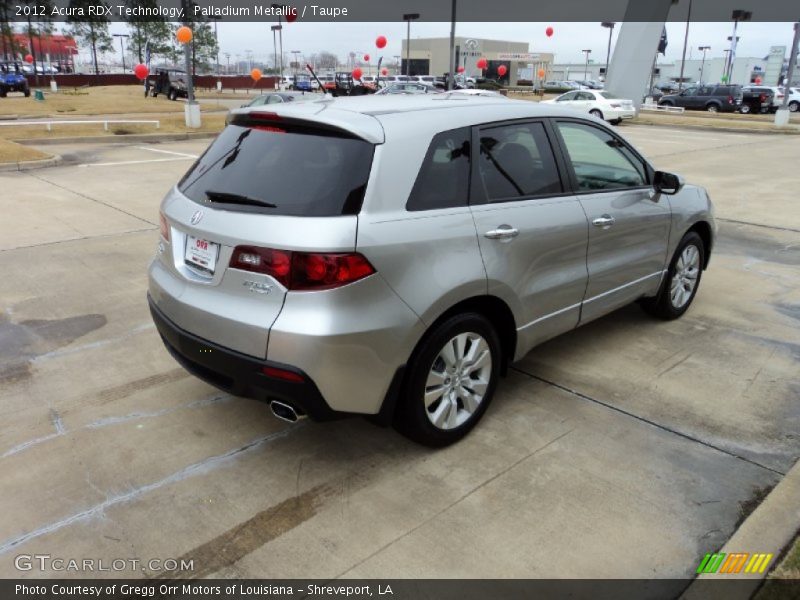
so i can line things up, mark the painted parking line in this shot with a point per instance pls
(184, 154)
(136, 162)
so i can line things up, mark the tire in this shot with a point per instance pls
(449, 416)
(3, 93)
(712, 108)
(173, 95)
(670, 303)
(666, 103)
(745, 109)
(616, 121)
(596, 113)
(27, 92)
(794, 106)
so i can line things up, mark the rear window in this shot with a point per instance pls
(281, 169)
(443, 180)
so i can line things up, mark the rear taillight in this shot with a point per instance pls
(730, 100)
(163, 226)
(303, 270)
(614, 105)
(284, 374)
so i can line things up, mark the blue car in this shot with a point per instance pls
(302, 83)
(12, 79)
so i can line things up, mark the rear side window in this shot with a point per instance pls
(443, 179)
(281, 169)
(516, 161)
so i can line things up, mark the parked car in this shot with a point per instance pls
(388, 285)
(302, 83)
(464, 82)
(794, 99)
(408, 87)
(756, 99)
(713, 98)
(655, 93)
(279, 98)
(603, 105)
(668, 87)
(12, 79)
(170, 82)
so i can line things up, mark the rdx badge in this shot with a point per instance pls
(257, 286)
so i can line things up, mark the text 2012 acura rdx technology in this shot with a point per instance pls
(391, 256)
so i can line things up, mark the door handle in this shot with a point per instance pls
(604, 221)
(503, 232)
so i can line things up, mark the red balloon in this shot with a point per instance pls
(366, 58)
(549, 32)
(380, 42)
(502, 70)
(357, 73)
(384, 71)
(291, 15)
(482, 62)
(141, 71)
(758, 80)
(460, 69)
(29, 58)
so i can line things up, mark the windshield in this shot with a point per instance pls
(608, 95)
(281, 169)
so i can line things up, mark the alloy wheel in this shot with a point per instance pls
(684, 280)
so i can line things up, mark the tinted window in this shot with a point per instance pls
(443, 180)
(600, 161)
(585, 96)
(516, 161)
(300, 171)
(567, 97)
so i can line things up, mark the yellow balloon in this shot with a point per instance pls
(184, 34)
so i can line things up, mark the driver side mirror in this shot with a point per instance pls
(667, 183)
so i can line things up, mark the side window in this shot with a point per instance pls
(705, 91)
(691, 91)
(274, 99)
(443, 179)
(585, 96)
(516, 161)
(600, 161)
(567, 97)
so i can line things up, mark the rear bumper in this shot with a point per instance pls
(238, 373)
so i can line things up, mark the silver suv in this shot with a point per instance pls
(391, 256)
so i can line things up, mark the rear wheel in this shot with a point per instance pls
(451, 379)
(712, 108)
(27, 91)
(666, 103)
(682, 280)
(173, 95)
(596, 113)
(745, 109)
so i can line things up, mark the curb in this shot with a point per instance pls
(770, 528)
(118, 139)
(31, 164)
(721, 129)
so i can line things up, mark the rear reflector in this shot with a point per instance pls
(163, 226)
(303, 271)
(283, 374)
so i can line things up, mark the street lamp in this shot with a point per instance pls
(408, 17)
(610, 26)
(280, 37)
(296, 53)
(703, 49)
(216, 38)
(587, 52)
(275, 28)
(736, 15)
(122, 37)
(228, 61)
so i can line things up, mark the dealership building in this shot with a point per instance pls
(431, 56)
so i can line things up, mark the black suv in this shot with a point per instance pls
(713, 98)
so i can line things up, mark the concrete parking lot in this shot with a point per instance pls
(628, 448)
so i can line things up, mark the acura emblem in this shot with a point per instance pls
(196, 217)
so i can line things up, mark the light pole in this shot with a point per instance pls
(296, 53)
(280, 38)
(451, 75)
(228, 63)
(610, 26)
(685, 41)
(216, 39)
(274, 29)
(587, 52)
(703, 49)
(782, 114)
(122, 37)
(736, 15)
(408, 17)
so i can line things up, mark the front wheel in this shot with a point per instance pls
(745, 109)
(794, 106)
(173, 95)
(451, 379)
(682, 280)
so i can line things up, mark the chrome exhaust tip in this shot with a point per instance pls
(285, 412)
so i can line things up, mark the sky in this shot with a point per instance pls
(566, 43)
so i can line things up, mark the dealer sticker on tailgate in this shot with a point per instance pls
(201, 253)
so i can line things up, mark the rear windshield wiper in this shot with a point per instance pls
(229, 198)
